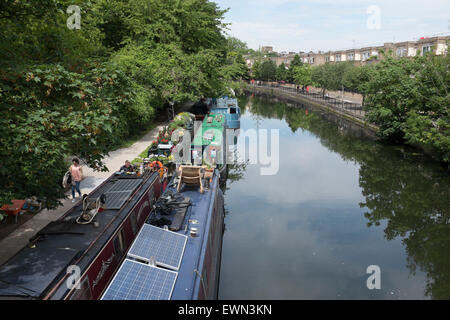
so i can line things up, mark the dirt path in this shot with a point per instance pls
(17, 239)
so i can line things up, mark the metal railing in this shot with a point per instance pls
(352, 108)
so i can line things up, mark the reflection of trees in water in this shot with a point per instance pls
(405, 189)
(413, 198)
(236, 172)
(242, 102)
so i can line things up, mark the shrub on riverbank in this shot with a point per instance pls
(409, 100)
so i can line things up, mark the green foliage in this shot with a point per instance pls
(237, 46)
(330, 76)
(282, 73)
(236, 68)
(82, 92)
(392, 92)
(409, 99)
(428, 123)
(302, 75)
(296, 62)
(267, 71)
(356, 79)
(256, 69)
(51, 113)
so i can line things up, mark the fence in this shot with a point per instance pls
(349, 107)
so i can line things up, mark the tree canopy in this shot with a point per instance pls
(79, 92)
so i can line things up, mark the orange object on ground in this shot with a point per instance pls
(14, 208)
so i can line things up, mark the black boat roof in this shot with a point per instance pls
(37, 267)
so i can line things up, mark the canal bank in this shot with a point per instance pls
(291, 95)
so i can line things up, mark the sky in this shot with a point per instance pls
(313, 25)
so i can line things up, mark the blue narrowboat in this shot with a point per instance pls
(230, 108)
(177, 253)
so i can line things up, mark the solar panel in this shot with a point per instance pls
(165, 246)
(120, 191)
(115, 200)
(138, 281)
(125, 185)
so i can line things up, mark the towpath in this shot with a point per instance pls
(18, 238)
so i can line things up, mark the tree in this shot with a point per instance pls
(268, 71)
(392, 93)
(81, 92)
(356, 79)
(282, 73)
(330, 76)
(256, 69)
(235, 45)
(296, 62)
(302, 75)
(323, 77)
(428, 123)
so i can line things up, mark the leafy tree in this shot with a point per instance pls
(282, 73)
(428, 124)
(323, 76)
(81, 92)
(331, 76)
(268, 70)
(256, 69)
(302, 75)
(50, 113)
(235, 45)
(392, 93)
(356, 79)
(296, 62)
(236, 67)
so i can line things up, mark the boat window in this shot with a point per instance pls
(84, 293)
(119, 247)
(133, 222)
(233, 110)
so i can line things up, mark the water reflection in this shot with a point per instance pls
(340, 203)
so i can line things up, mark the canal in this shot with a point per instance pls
(340, 202)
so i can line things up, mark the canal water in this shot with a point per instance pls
(341, 202)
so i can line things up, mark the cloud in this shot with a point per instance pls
(303, 25)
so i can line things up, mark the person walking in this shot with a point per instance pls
(77, 175)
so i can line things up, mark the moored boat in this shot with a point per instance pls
(177, 253)
(230, 109)
(76, 256)
(209, 144)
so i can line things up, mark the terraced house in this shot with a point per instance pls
(438, 45)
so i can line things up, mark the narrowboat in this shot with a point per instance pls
(75, 256)
(209, 143)
(230, 109)
(177, 253)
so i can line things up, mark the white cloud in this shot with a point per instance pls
(303, 25)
